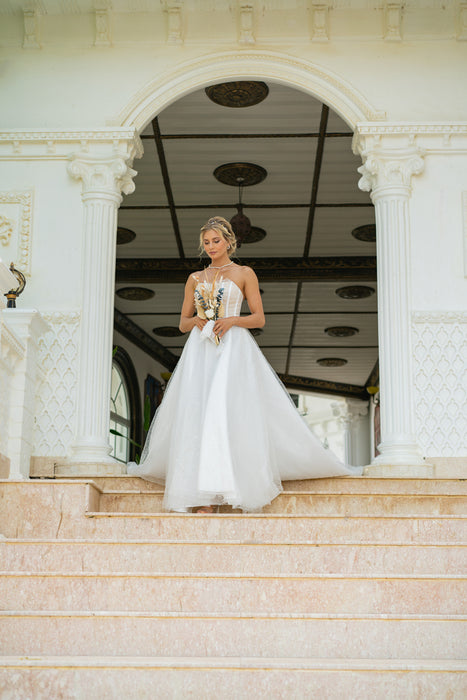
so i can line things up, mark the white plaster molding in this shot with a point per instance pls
(439, 317)
(56, 144)
(340, 95)
(19, 244)
(102, 16)
(392, 21)
(246, 22)
(319, 21)
(31, 28)
(462, 22)
(6, 230)
(174, 11)
(439, 341)
(54, 426)
(430, 137)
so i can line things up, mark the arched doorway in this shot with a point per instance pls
(316, 261)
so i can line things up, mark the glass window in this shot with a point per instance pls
(120, 415)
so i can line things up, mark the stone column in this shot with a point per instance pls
(104, 179)
(387, 174)
(353, 418)
(27, 325)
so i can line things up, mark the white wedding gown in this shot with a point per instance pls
(227, 431)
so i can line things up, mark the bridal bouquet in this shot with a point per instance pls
(209, 304)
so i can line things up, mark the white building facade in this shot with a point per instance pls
(81, 80)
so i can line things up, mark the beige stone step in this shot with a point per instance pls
(47, 509)
(306, 502)
(336, 485)
(177, 678)
(224, 593)
(235, 634)
(95, 556)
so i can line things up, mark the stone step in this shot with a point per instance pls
(267, 528)
(223, 593)
(177, 678)
(95, 556)
(305, 502)
(248, 634)
(336, 485)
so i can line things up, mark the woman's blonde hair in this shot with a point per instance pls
(223, 228)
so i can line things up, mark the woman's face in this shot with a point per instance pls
(215, 245)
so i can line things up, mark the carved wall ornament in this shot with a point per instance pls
(174, 10)
(246, 22)
(319, 21)
(6, 230)
(16, 235)
(31, 28)
(103, 25)
(393, 21)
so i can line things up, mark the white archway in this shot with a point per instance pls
(303, 75)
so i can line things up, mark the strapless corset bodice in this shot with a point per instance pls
(226, 295)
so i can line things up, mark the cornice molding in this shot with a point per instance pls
(72, 317)
(439, 317)
(57, 143)
(429, 137)
(323, 386)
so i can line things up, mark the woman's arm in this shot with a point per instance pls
(187, 320)
(253, 296)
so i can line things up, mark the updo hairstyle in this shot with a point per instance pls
(223, 228)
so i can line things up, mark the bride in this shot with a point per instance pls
(227, 430)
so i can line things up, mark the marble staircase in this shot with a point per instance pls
(349, 588)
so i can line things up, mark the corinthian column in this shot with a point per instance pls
(104, 179)
(387, 173)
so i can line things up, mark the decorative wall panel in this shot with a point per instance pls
(54, 428)
(440, 376)
(16, 228)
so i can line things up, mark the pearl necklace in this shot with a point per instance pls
(213, 267)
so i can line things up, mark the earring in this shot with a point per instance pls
(228, 247)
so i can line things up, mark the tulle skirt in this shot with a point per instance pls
(227, 430)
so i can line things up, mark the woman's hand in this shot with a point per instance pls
(222, 325)
(199, 322)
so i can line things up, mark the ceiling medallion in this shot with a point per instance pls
(125, 235)
(135, 293)
(366, 233)
(244, 93)
(168, 331)
(255, 235)
(355, 292)
(236, 174)
(341, 331)
(331, 361)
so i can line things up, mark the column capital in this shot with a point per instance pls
(102, 175)
(386, 170)
(349, 411)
